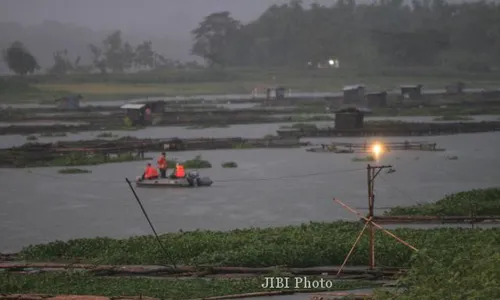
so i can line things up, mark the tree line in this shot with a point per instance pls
(113, 55)
(390, 33)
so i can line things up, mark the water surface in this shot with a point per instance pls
(271, 187)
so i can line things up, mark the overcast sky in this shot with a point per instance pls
(159, 17)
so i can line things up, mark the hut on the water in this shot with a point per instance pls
(377, 99)
(455, 88)
(354, 94)
(277, 93)
(69, 103)
(350, 117)
(413, 92)
(141, 113)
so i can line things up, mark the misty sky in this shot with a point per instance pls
(159, 17)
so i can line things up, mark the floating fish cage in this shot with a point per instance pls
(366, 147)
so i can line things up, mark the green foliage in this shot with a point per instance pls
(83, 284)
(53, 134)
(453, 118)
(229, 164)
(395, 33)
(301, 126)
(196, 163)
(313, 244)
(464, 271)
(73, 171)
(205, 126)
(20, 60)
(481, 202)
(106, 135)
(23, 160)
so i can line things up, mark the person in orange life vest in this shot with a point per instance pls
(150, 172)
(179, 171)
(162, 165)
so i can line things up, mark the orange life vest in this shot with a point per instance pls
(150, 172)
(179, 171)
(162, 162)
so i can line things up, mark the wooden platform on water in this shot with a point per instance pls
(366, 147)
(397, 129)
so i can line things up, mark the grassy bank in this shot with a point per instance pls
(472, 273)
(298, 246)
(81, 284)
(229, 81)
(481, 202)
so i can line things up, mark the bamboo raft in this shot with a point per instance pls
(48, 151)
(315, 296)
(348, 273)
(399, 129)
(436, 219)
(337, 147)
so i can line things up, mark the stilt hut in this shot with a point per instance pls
(350, 117)
(413, 92)
(354, 94)
(277, 93)
(138, 113)
(455, 88)
(155, 106)
(378, 99)
(69, 103)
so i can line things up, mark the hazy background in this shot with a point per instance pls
(45, 26)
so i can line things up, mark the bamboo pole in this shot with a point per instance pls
(376, 225)
(352, 248)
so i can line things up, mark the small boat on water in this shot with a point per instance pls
(191, 180)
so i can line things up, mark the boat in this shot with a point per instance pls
(191, 180)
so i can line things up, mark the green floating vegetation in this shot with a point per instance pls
(53, 134)
(31, 138)
(300, 118)
(205, 126)
(453, 118)
(480, 202)
(363, 158)
(81, 159)
(313, 244)
(67, 160)
(242, 146)
(106, 135)
(74, 171)
(229, 164)
(196, 163)
(301, 126)
(472, 273)
(84, 284)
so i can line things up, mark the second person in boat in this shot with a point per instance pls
(179, 171)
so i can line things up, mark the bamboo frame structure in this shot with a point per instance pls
(371, 224)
